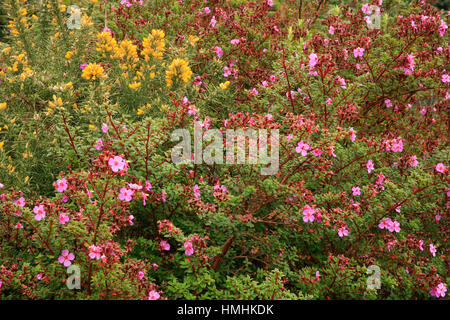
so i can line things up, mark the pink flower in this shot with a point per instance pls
(63, 218)
(218, 51)
(104, 127)
(370, 166)
(442, 28)
(99, 144)
(117, 163)
(207, 10)
(21, 202)
(356, 191)
(213, 22)
(413, 161)
(196, 191)
(388, 103)
(385, 223)
(235, 41)
(148, 185)
(342, 82)
(40, 212)
(432, 250)
(313, 60)
(83, 65)
(39, 276)
(342, 231)
(61, 185)
(163, 195)
(141, 274)
(352, 134)
(421, 245)
(189, 248)
(365, 8)
(394, 226)
(126, 194)
(331, 30)
(270, 3)
(66, 257)
(95, 252)
(302, 148)
(130, 220)
(165, 245)
(308, 213)
(440, 168)
(153, 295)
(441, 289)
(317, 152)
(358, 52)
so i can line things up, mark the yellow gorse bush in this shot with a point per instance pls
(154, 45)
(179, 68)
(106, 43)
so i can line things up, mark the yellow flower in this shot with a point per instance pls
(134, 85)
(57, 102)
(92, 71)
(179, 68)
(154, 45)
(193, 40)
(69, 54)
(1, 145)
(2, 105)
(224, 85)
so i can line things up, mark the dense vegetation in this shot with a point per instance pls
(87, 179)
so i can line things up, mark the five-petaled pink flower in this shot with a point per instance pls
(439, 291)
(61, 185)
(141, 274)
(356, 191)
(95, 252)
(126, 194)
(153, 295)
(342, 231)
(385, 223)
(117, 163)
(308, 213)
(66, 258)
(358, 52)
(40, 212)
(189, 248)
(302, 148)
(63, 218)
(440, 168)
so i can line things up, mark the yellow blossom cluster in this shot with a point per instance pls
(105, 43)
(154, 45)
(92, 71)
(179, 68)
(127, 50)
